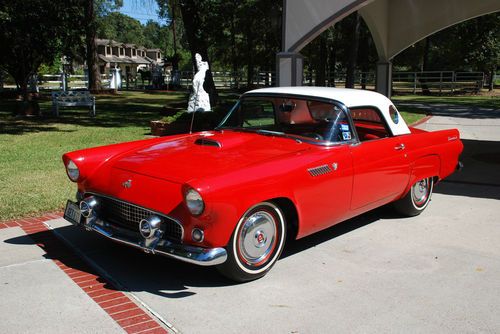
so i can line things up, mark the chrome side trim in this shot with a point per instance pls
(320, 170)
(195, 255)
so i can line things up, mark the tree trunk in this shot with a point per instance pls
(425, 65)
(234, 57)
(363, 79)
(491, 82)
(353, 53)
(321, 64)
(190, 15)
(249, 55)
(333, 64)
(90, 41)
(175, 60)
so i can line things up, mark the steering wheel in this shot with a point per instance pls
(313, 135)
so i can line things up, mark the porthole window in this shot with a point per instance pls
(394, 114)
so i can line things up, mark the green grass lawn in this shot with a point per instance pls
(32, 175)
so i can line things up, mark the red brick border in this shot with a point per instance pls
(118, 305)
(420, 121)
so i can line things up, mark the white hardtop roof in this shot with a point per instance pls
(350, 97)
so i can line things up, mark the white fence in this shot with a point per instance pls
(437, 81)
(408, 82)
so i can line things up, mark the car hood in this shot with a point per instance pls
(181, 159)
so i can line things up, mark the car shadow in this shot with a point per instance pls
(479, 177)
(295, 246)
(134, 271)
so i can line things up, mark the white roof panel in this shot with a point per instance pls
(350, 97)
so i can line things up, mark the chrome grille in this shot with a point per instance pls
(320, 170)
(128, 216)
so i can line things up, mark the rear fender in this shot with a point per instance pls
(428, 166)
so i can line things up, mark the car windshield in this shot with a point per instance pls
(306, 119)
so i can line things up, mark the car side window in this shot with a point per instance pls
(257, 113)
(369, 123)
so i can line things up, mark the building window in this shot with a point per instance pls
(121, 51)
(108, 50)
(133, 52)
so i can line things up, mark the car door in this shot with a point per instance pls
(381, 165)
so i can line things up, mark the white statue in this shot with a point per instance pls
(116, 79)
(199, 99)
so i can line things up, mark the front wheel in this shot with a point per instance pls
(417, 198)
(256, 243)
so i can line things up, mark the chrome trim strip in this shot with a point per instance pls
(320, 170)
(140, 207)
(195, 255)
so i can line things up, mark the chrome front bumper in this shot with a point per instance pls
(191, 254)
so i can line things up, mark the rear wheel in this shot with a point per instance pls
(417, 198)
(256, 243)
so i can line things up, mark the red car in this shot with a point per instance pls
(284, 163)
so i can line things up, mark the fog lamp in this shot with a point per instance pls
(197, 235)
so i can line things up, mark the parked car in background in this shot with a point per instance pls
(285, 162)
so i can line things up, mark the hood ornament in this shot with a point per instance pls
(127, 184)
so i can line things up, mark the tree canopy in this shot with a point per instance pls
(34, 32)
(242, 36)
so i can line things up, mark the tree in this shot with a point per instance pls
(352, 54)
(191, 11)
(123, 28)
(34, 32)
(473, 45)
(92, 10)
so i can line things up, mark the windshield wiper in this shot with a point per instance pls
(263, 132)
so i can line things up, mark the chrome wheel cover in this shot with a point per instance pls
(420, 192)
(257, 238)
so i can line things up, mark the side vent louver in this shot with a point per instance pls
(320, 170)
(207, 142)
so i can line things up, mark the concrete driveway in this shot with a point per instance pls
(378, 273)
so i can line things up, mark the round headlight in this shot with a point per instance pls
(72, 170)
(194, 202)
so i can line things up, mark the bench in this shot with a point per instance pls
(74, 98)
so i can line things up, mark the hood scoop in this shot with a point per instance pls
(207, 142)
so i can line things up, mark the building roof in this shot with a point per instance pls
(125, 59)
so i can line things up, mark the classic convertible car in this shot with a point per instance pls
(283, 164)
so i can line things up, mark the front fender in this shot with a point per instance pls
(229, 196)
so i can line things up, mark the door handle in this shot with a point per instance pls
(400, 147)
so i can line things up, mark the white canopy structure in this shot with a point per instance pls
(394, 25)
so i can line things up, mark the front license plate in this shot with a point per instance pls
(72, 213)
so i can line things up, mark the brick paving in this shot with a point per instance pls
(123, 310)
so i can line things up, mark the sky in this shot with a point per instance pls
(142, 10)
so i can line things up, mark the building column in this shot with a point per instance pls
(383, 78)
(289, 68)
